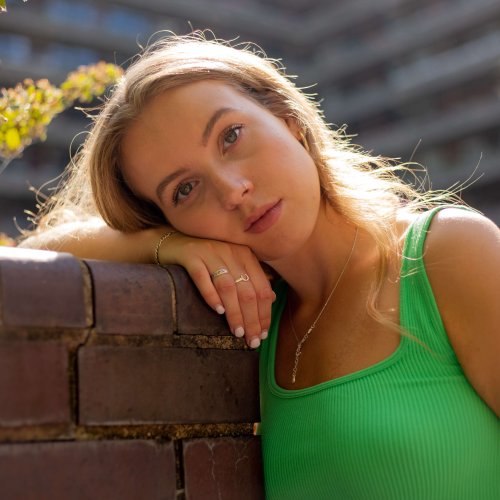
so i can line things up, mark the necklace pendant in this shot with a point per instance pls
(295, 365)
(298, 351)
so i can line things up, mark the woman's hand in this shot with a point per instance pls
(246, 303)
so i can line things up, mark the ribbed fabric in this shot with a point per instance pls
(409, 427)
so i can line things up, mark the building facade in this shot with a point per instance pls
(417, 80)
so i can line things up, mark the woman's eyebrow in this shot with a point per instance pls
(211, 123)
(167, 180)
(204, 140)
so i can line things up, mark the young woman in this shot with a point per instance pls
(380, 375)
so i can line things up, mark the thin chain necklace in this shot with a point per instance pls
(300, 343)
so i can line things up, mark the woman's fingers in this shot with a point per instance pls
(202, 280)
(255, 295)
(240, 317)
(231, 280)
(265, 295)
(239, 303)
(247, 301)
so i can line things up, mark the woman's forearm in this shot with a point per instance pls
(93, 239)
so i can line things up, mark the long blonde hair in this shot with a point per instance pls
(365, 189)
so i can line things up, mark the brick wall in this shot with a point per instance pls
(118, 382)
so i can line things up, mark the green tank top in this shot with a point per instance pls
(408, 427)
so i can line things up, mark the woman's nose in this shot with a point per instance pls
(232, 190)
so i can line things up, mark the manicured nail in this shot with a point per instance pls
(254, 343)
(220, 309)
(239, 332)
(263, 335)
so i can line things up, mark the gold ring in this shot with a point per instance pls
(243, 277)
(219, 272)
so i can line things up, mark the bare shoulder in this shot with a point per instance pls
(452, 226)
(462, 258)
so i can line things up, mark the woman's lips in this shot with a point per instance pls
(261, 223)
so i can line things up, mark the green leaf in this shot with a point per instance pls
(27, 108)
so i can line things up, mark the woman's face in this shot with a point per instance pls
(220, 166)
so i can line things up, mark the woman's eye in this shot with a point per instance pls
(231, 135)
(182, 191)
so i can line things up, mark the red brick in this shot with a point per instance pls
(194, 315)
(132, 298)
(131, 385)
(121, 470)
(34, 386)
(223, 468)
(41, 288)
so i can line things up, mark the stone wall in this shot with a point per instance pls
(118, 382)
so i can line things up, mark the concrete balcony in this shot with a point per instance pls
(457, 66)
(36, 24)
(401, 138)
(422, 31)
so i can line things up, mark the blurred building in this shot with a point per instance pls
(419, 80)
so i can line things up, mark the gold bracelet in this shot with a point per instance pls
(160, 241)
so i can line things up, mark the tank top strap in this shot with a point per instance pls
(419, 313)
(415, 239)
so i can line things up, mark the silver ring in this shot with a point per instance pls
(219, 272)
(242, 277)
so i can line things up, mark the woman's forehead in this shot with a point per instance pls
(193, 105)
(201, 93)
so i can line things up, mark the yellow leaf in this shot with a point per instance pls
(6, 240)
(12, 139)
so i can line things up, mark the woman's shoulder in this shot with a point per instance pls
(462, 255)
(462, 260)
(453, 225)
(450, 226)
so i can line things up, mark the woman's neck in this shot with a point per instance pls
(312, 271)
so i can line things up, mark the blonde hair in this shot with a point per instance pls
(365, 189)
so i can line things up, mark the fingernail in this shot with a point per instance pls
(254, 343)
(239, 332)
(263, 335)
(220, 309)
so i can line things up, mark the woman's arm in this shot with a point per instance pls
(93, 239)
(463, 264)
(247, 305)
